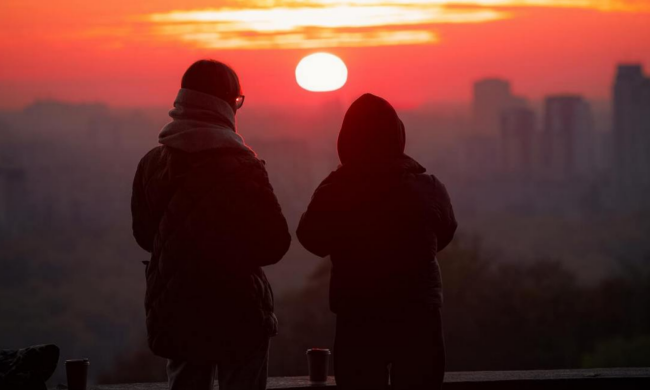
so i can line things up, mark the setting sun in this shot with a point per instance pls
(321, 72)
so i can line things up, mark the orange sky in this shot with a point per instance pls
(132, 53)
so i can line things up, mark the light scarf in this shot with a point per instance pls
(200, 122)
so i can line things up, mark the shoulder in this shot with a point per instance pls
(156, 157)
(239, 166)
(249, 163)
(223, 162)
(331, 182)
(429, 185)
(150, 160)
(427, 180)
(152, 155)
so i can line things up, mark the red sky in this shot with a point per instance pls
(133, 53)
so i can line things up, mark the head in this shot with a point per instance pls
(371, 131)
(213, 78)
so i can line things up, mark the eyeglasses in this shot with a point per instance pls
(239, 101)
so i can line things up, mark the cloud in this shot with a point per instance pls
(270, 24)
(329, 24)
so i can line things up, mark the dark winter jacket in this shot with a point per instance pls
(380, 218)
(210, 219)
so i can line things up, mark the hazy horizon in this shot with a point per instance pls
(324, 103)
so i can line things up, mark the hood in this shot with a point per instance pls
(200, 122)
(371, 131)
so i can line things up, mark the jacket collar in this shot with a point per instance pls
(401, 164)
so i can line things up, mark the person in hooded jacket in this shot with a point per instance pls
(382, 221)
(202, 205)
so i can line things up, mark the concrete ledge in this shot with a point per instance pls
(602, 378)
(294, 382)
(605, 378)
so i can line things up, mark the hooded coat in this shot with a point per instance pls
(380, 218)
(202, 205)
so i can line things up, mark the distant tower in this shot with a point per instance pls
(517, 134)
(568, 137)
(632, 124)
(491, 98)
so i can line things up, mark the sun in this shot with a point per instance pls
(321, 72)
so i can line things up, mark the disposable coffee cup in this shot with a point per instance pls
(318, 360)
(77, 372)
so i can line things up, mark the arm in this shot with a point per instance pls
(265, 234)
(317, 231)
(142, 223)
(446, 226)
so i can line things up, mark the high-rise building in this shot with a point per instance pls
(632, 125)
(568, 137)
(517, 135)
(491, 98)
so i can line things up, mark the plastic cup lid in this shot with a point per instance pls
(319, 350)
(86, 361)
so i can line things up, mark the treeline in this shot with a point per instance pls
(498, 316)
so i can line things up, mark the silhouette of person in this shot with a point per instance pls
(203, 206)
(381, 220)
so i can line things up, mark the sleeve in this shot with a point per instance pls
(265, 236)
(447, 225)
(317, 229)
(143, 227)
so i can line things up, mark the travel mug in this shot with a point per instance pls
(77, 373)
(318, 360)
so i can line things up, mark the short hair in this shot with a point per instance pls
(214, 78)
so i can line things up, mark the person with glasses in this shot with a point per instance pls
(202, 205)
(381, 219)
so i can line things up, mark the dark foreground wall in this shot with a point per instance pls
(610, 378)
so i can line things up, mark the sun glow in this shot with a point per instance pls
(321, 72)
